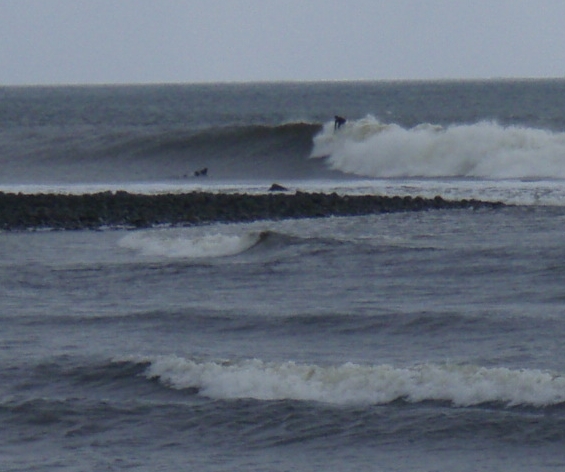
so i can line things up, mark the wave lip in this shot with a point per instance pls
(360, 384)
(487, 150)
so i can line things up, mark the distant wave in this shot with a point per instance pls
(370, 148)
(358, 384)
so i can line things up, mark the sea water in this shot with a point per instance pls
(393, 342)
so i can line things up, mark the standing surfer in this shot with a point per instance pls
(338, 121)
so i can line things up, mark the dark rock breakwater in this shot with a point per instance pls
(115, 209)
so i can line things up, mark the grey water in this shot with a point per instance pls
(395, 342)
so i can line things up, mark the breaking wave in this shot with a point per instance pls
(370, 148)
(359, 384)
(178, 245)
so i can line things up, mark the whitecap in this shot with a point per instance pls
(351, 383)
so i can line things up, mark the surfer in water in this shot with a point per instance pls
(338, 122)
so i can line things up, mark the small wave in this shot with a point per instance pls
(359, 384)
(370, 148)
(178, 245)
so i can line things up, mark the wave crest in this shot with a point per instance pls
(370, 148)
(359, 384)
(177, 245)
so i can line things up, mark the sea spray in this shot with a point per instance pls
(486, 149)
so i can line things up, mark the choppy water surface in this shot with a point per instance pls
(395, 342)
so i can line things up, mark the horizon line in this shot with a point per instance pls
(281, 81)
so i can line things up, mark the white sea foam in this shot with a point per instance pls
(360, 384)
(174, 244)
(486, 150)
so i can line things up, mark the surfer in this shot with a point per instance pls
(338, 122)
(201, 172)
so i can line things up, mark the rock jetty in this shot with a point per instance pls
(123, 209)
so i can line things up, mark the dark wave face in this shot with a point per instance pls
(254, 151)
(100, 155)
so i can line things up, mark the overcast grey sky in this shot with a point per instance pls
(145, 41)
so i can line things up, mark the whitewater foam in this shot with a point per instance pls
(173, 244)
(351, 383)
(487, 150)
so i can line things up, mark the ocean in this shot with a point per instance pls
(401, 341)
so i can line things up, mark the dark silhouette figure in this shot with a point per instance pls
(338, 122)
(201, 172)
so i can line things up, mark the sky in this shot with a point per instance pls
(186, 41)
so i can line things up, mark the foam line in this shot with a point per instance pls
(360, 384)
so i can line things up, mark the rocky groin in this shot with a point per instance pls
(123, 209)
